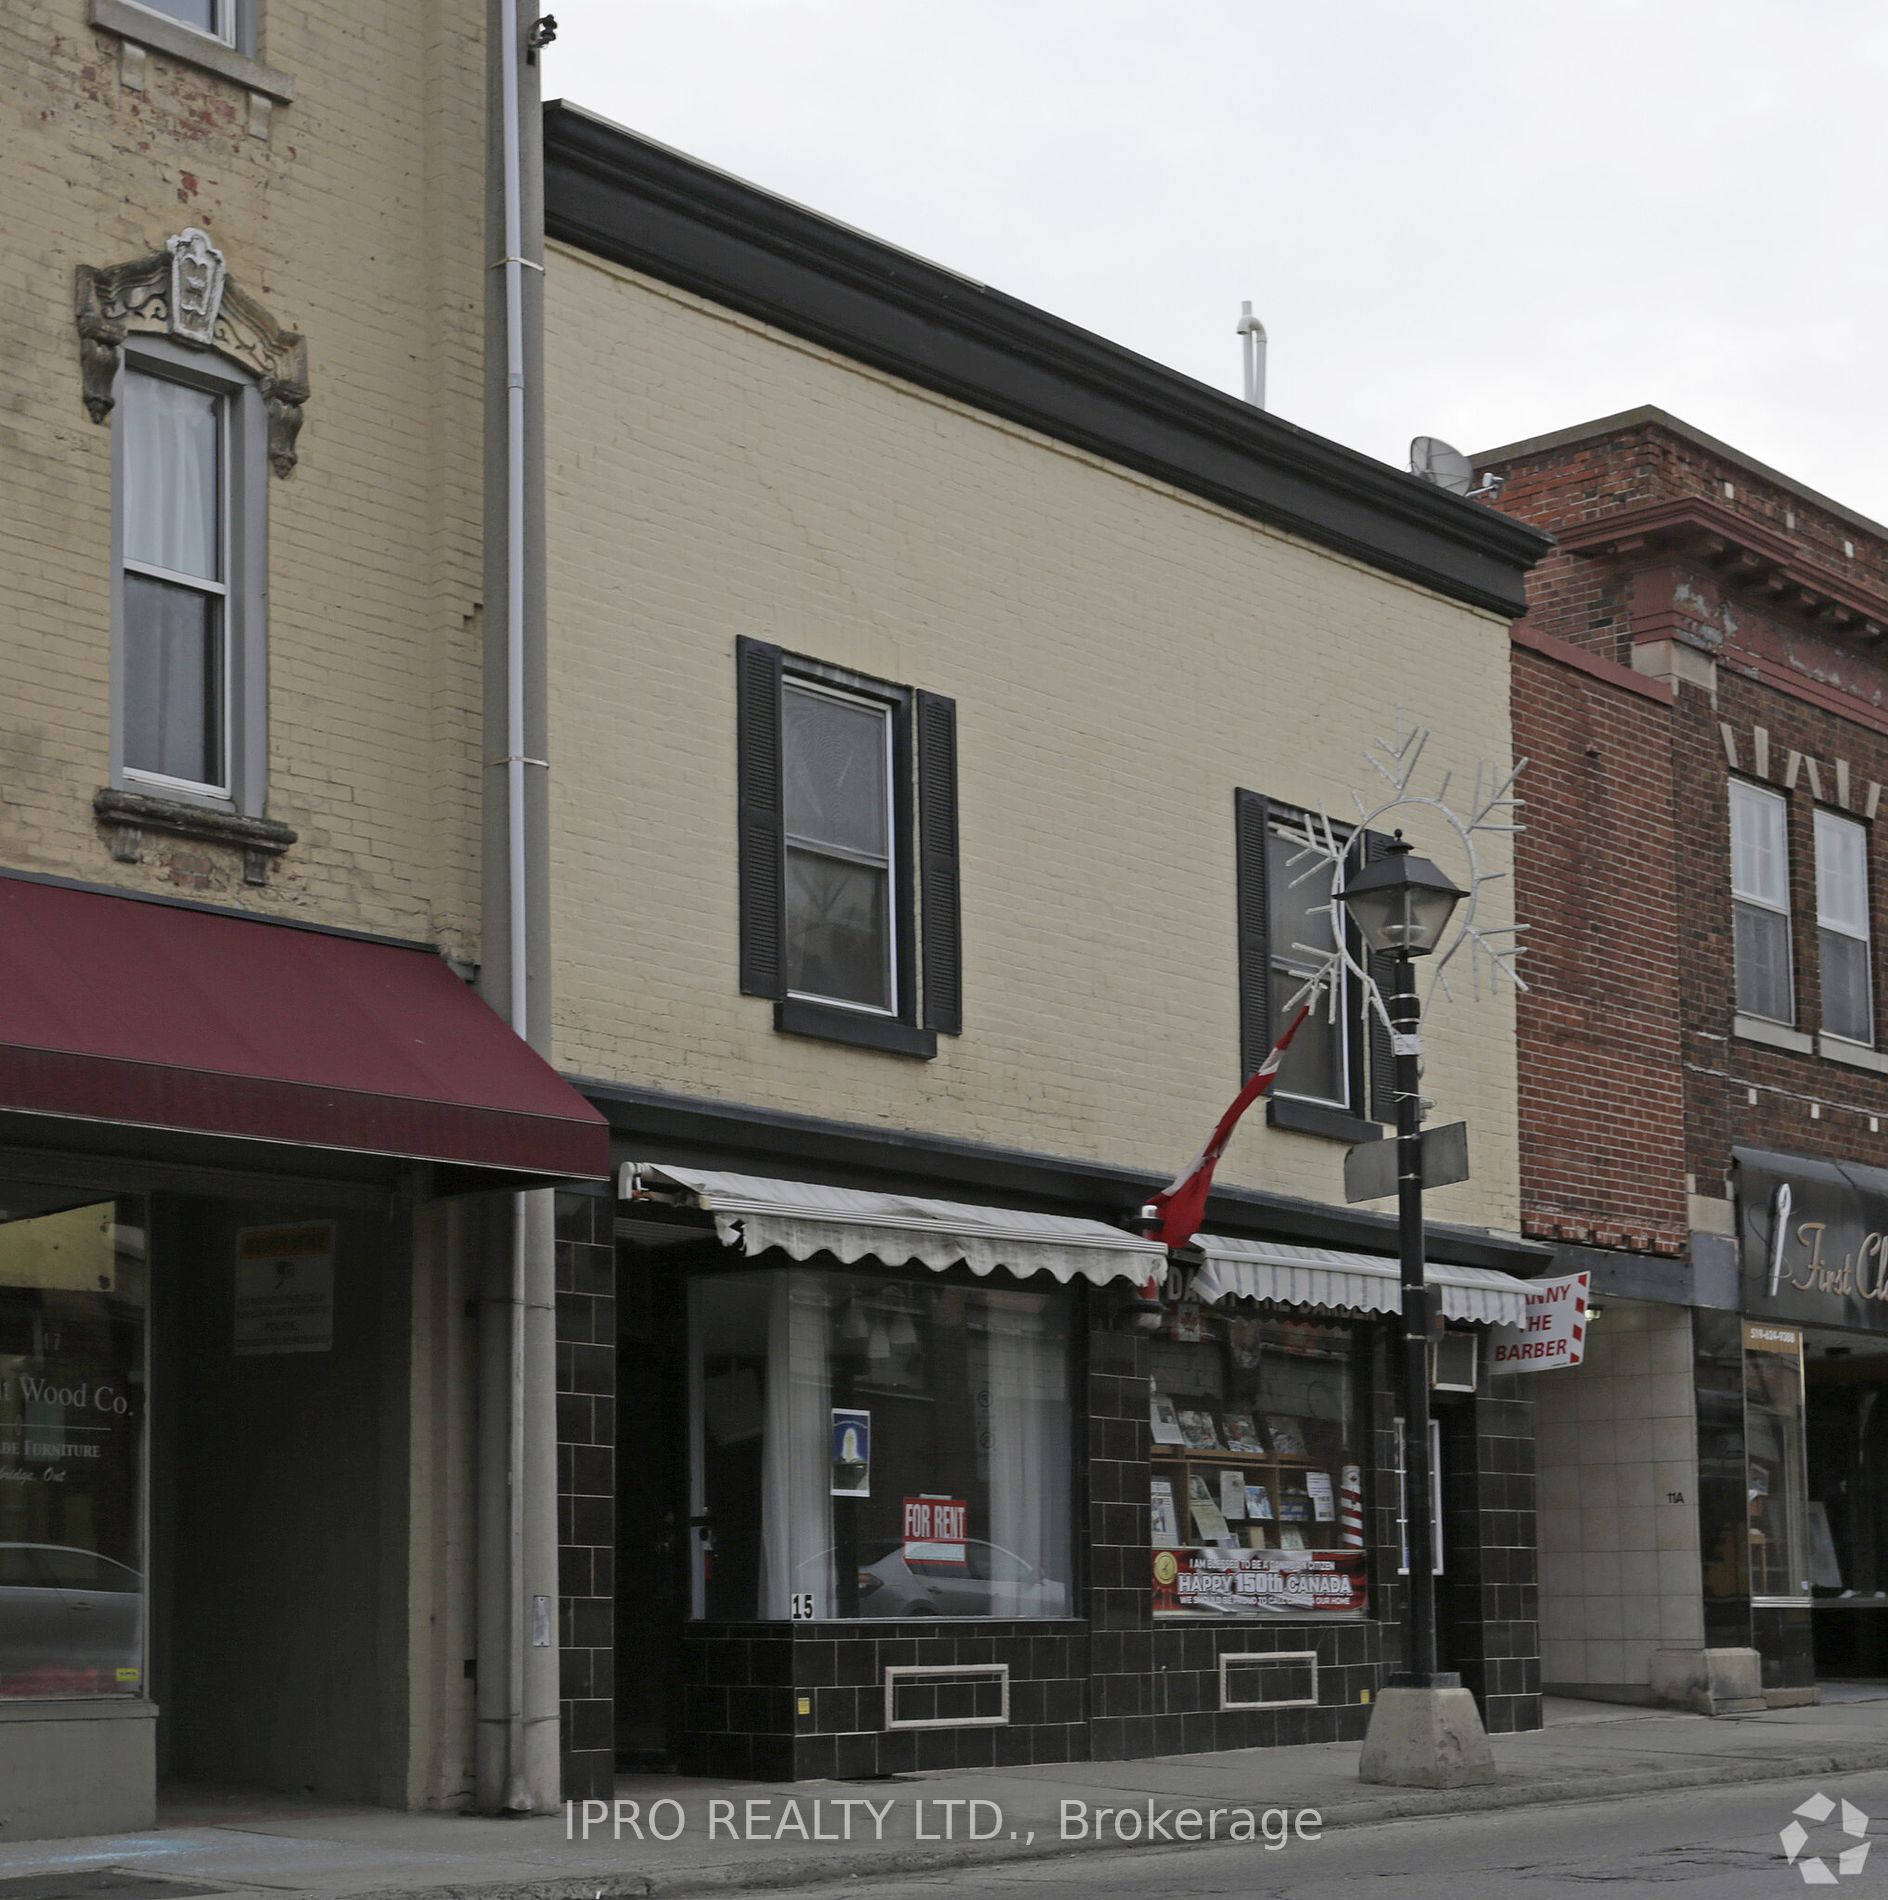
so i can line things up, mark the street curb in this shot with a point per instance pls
(805, 1870)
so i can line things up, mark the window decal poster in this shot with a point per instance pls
(1279, 1582)
(285, 1288)
(852, 1454)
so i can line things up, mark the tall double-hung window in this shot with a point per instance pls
(1760, 902)
(1842, 933)
(848, 853)
(176, 583)
(188, 684)
(839, 755)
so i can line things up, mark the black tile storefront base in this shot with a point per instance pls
(776, 1701)
(1059, 1711)
(823, 1713)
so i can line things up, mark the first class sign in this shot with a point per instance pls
(1814, 1240)
(1555, 1333)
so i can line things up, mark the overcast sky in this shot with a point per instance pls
(1478, 219)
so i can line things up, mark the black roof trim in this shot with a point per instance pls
(661, 212)
(653, 1125)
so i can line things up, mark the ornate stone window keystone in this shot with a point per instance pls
(185, 292)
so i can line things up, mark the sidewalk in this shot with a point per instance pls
(255, 1844)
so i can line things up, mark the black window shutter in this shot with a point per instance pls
(1382, 1103)
(938, 893)
(762, 844)
(1252, 818)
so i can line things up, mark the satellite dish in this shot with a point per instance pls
(1434, 460)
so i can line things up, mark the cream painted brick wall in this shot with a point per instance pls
(1122, 657)
(357, 222)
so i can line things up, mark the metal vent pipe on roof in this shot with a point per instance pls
(1252, 335)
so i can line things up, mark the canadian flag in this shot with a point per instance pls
(1178, 1209)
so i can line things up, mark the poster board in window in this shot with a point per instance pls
(852, 1453)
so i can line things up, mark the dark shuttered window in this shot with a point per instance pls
(763, 913)
(1329, 1082)
(848, 853)
(937, 865)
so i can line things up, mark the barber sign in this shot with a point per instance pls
(1555, 1333)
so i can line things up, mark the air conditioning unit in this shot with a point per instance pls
(1452, 1361)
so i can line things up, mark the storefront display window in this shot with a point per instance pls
(1774, 1461)
(1846, 1401)
(869, 1446)
(1257, 1499)
(73, 1300)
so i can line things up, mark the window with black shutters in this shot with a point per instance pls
(1336, 1078)
(848, 853)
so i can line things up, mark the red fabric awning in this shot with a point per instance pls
(154, 1015)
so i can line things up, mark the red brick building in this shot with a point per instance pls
(1701, 688)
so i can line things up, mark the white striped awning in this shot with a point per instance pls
(1349, 1282)
(803, 1218)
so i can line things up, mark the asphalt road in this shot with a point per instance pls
(1696, 1844)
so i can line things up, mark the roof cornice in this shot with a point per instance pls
(1744, 554)
(657, 211)
(1651, 416)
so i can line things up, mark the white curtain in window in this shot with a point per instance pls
(1028, 1429)
(796, 1463)
(171, 487)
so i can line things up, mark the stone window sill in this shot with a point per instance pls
(176, 41)
(799, 1016)
(1856, 1055)
(128, 815)
(1774, 1035)
(1318, 1118)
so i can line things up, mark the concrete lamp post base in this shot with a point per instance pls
(1426, 1738)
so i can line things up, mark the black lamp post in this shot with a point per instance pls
(1401, 905)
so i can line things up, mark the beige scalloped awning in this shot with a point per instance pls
(802, 1219)
(1349, 1282)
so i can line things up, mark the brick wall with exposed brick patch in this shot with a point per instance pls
(355, 220)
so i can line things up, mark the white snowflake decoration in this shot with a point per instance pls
(1493, 949)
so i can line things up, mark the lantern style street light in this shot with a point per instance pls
(1401, 905)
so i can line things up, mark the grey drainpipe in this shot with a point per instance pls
(517, 1768)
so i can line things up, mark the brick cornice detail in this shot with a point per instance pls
(1608, 672)
(1744, 555)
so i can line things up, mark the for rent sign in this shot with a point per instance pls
(936, 1528)
(1555, 1333)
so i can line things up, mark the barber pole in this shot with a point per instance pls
(1350, 1508)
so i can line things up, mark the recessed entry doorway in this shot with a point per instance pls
(1845, 1431)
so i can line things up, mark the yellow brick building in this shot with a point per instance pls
(243, 568)
(936, 693)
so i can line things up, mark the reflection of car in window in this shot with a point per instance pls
(70, 1621)
(991, 1581)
